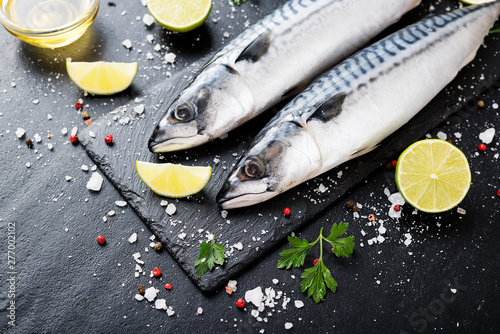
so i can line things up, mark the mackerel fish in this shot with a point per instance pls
(270, 61)
(351, 108)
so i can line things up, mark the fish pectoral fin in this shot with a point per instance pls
(256, 49)
(328, 109)
(362, 151)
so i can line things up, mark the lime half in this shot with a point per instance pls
(433, 175)
(102, 78)
(180, 15)
(173, 180)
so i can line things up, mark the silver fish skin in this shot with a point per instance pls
(275, 58)
(350, 109)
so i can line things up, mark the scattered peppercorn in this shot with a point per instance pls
(498, 193)
(287, 211)
(350, 204)
(394, 163)
(85, 114)
(29, 142)
(371, 217)
(333, 251)
(88, 122)
(316, 261)
(108, 139)
(156, 272)
(49, 136)
(78, 105)
(168, 286)
(101, 240)
(397, 208)
(355, 208)
(482, 147)
(157, 246)
(229, 291)
(480, 103)
(73, 139)
(388, 165)
(141, 288)
(240, 303)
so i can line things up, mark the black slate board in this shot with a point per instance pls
(262, 226)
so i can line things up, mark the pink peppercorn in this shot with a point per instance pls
(156, 272)
(240, 303)
(73, 139)
(397, 208)
(101, 240)
(287, 211)
(482, 147)
(108, 139)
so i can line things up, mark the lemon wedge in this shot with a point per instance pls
(102, 78)
(173, 180)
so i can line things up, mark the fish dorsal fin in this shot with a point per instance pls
(255, 50)
(329, 109)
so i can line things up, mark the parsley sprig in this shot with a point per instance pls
(210, 254)
(238, 2)
(317, 278)
(495, 31)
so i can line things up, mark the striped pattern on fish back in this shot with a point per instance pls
(368, 64)
(289, 11)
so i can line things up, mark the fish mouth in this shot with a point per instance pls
(243, 200)
(159, 145)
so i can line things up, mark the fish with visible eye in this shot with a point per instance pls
(350, 109)
(270, 61)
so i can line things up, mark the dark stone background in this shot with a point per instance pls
(66, 282)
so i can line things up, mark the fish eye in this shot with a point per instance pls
(253, 169)
(184, 112)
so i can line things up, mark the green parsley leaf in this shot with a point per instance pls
(341, 246)
(316, 279)
(495, 31)
(210, 255)
(238, 2)
(294, 256)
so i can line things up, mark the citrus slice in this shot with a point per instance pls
(180, 15)
(433, 175)
(476, 2)
(172, 180)
(102, 78)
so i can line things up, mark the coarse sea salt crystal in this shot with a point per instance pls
(288, 325)
(487, 136)
(170, 311)
(199, 311)
(164, 203)
(161, 304)
(322, 188)
(64, 131)
(441, 135)
(20, 132)
(50, 146)
(37, 138)
(150, 293)
(139, 109)
(91, 134)
(397, 198)
(170, 210)
(150, 38)
(254, 313)
(139, 297)
(127, 43)
(85, 168)
(494, 106)
(254, 296)
(299, 304)
(68, 178)
(95, 182)
(238, 246)
(170, 58)
(182, 236)
(74, 131)
(461, 211)
(132, 238)
(148, 20)
(121, 204)
(232, 284)
(275, 281)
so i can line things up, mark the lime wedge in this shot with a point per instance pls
(102, 78)
(475, 2)
(180, 15)
(433, 175)
(172, 180)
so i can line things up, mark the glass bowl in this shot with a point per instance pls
(48, 23)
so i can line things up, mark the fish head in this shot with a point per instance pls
(206, 109)
(270, 167)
